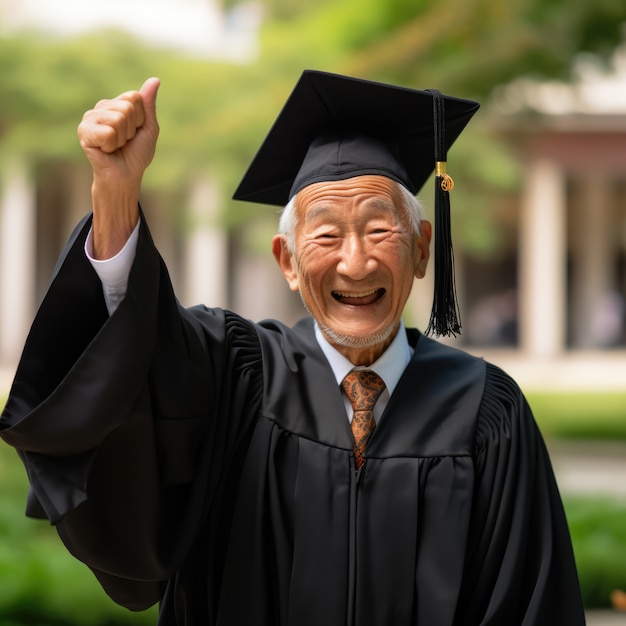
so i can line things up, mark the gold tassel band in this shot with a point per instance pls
(447, 184)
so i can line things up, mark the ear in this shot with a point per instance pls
(422, 248)
(286, 261)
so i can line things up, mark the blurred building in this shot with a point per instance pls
(559, 299)
(550, 309)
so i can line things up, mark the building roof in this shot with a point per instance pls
(594, 91)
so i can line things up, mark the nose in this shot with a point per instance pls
(356, 260)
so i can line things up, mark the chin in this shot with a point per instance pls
(353, 341)
(359, 341)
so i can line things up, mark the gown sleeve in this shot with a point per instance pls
(520, 568)
(117, 418)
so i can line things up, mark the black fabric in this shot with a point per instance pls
(338, 108)
(339, 154)
(194, 458)
(445, 317)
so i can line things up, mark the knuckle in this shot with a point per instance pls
(130, 98)
(88, 115)
(109, 139)
(117, 118)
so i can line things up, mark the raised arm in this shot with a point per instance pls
(119, 138)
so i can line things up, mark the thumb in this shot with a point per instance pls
(148, 93)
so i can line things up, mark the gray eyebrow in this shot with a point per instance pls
(313, 213)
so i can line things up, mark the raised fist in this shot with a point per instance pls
(119, 136)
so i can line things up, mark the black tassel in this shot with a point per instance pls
(445, 319)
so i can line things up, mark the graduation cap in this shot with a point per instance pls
(335, 127)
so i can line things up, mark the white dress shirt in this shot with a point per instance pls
(389, 366)
(113, 273)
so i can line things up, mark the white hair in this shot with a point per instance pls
(289, 219)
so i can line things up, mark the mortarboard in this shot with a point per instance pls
(334, 127)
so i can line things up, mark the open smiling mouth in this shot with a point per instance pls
(361, 299)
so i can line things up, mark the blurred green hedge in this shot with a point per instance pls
(598, 529)
(580, 415)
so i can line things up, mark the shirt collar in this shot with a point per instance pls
(389, 366)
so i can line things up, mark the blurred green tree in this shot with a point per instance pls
(214, 114)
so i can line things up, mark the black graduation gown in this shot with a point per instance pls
(194, 458)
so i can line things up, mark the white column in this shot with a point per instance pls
(542, 262)
(206, 249)
(592, 258)
(260, 290)
(79, 197)
(17, 258)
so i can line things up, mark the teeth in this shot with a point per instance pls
(341, 294)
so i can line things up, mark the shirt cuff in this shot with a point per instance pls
(113, 273)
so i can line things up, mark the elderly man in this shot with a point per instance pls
(346, 471)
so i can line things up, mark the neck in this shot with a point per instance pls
(361, 351)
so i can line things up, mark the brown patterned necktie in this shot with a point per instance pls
(362, 388)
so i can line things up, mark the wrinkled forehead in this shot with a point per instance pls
(373, 194)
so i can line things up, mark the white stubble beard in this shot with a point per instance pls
(352, 341)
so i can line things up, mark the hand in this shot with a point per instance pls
(119, 138)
